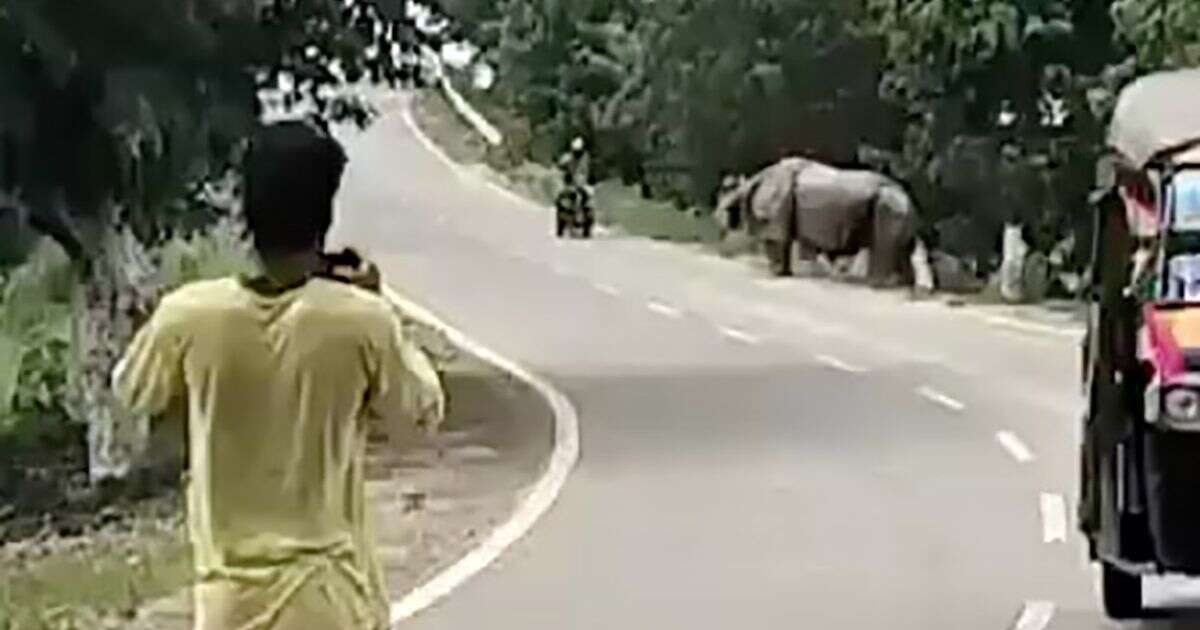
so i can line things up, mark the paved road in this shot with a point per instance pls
(784, 454)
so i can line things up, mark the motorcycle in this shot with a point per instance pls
(573, 213)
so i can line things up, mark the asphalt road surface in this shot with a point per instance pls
(755, 453)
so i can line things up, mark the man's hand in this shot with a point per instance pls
(351, 268)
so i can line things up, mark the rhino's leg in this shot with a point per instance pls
(779, 257)
(887, 263)
(920, 268)
(860, 265)
(808, 257)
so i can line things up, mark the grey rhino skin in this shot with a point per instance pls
(827, 211)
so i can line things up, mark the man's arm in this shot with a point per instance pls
(585, 169)
(150, 374)
(405, 386)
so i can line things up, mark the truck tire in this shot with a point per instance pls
(1122, 594)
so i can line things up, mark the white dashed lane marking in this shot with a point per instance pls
(666, 310)
(739, 335)
(938, 398)
(1035, 616)
(838, 364)
(1054, 518)
(1015, 447)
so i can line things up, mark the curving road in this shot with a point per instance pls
(755, 454)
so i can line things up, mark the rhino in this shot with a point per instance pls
(831, 212)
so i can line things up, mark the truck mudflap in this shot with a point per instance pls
(1173, 499)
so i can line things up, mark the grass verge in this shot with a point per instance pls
(617, 205)
(91, 582)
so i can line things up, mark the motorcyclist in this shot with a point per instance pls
(575, 166)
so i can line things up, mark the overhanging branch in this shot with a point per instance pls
(55, 224)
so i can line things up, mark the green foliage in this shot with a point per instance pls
(991, 110)
(1165, 33)
(17, 239)
(623, 206)
(36, 312)
(96, 584)
(35, 317)
(11, 356)
(676, 91)
(1007, 102)
(116, 113)
(137, 101)
(219, 251)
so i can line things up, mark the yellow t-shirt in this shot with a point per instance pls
(279, 390)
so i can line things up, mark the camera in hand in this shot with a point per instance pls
(349, 267)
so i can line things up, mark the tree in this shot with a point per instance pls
(681, 90)
(1164, 33)
(977, 79)
(115, 112)
(978, 96)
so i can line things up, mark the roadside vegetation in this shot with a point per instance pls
(992, 113)
(619, 205)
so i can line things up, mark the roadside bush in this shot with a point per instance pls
(35, 335)
(41, 449)
(219, 251)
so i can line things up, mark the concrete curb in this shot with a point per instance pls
(532, 507)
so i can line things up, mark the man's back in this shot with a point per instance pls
(278, 387)
(577, 166)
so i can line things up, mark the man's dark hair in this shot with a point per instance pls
(292, 173)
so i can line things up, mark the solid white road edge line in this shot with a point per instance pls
(936, 397)
(838, 364)
(1015, 447)
(431, 146)
(406, 114)
(1054, 518)
(1000, 321)
(1035, 616)
(535, 504)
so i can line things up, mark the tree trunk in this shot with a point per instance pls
(1012, 265)
(116, 295)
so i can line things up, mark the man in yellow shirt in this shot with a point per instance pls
(282, 375)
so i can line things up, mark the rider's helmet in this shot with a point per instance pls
(578, 145)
